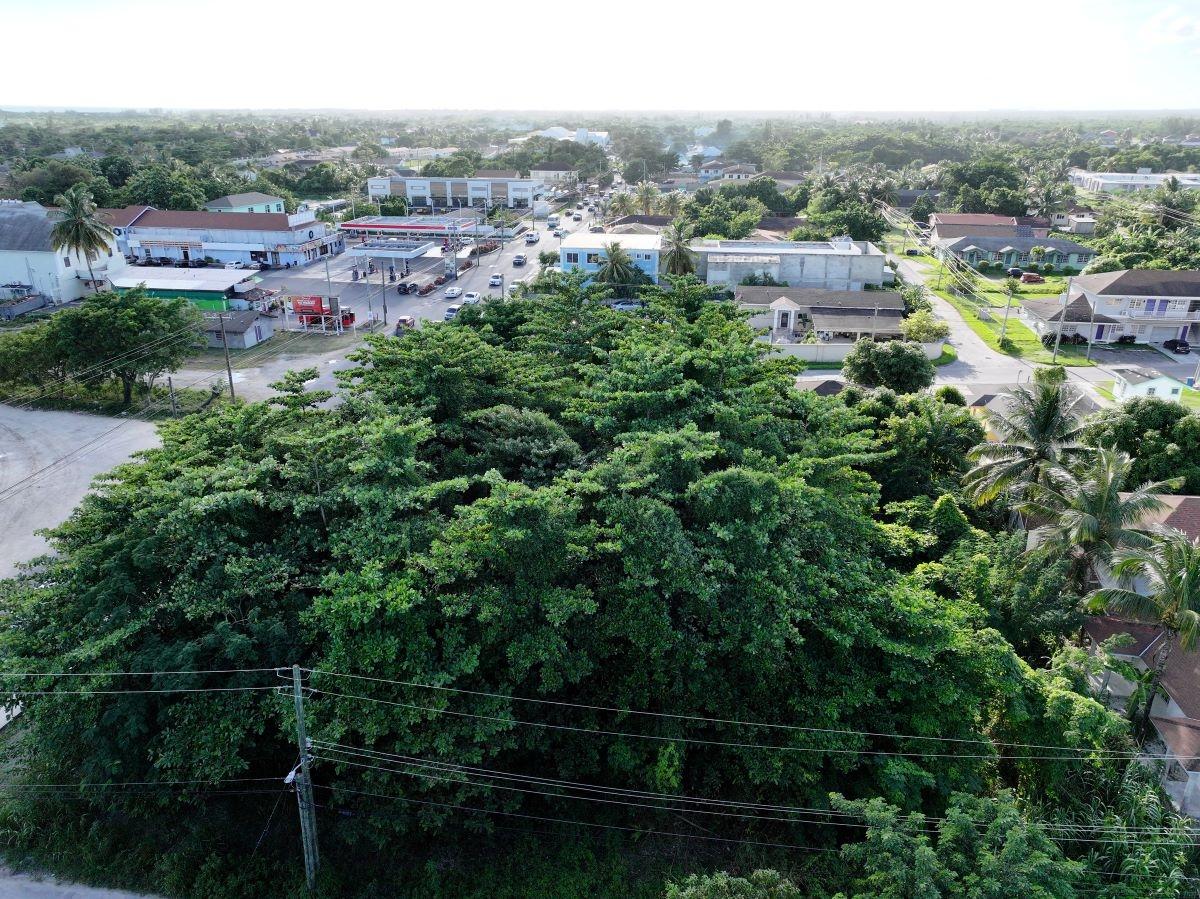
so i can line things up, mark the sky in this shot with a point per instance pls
(629, 55)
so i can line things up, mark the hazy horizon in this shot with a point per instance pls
(867, 58)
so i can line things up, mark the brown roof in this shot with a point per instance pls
(122, 218)
(1182, 736)
(220, 221)
(1145, 636)
(1181, 680)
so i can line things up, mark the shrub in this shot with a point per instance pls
(950, 395)
(924, 327)
(896, 364)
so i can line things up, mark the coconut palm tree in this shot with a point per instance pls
(617, 268)
(646, 197)
(1167, 568)
(676, 250)
(1038, 429)
(670, 203)
(622, 204)
(1090, 511)
(79, 228)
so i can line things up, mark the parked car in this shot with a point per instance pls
(496, 280)
(1014, 272)
(453, 293)
(520, 259)
(596, 229)
(471, 297)
(451, 313)
(1177, 345)
(1032, 278)
(912, 251)
(627, 306)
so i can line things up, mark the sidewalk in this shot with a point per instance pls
(25, 886)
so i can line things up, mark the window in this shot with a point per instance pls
(1174, 391)
(593, 258)
(572, 258)
(1150, 391)
(67, 261)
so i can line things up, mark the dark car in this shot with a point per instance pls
(1015, 272)
(912, 251)
(1177, 345)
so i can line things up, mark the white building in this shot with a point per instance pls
(1142, 179)
(275, 238)
(30, 264)
(254, 201)
(553, 174)
(1151, 306)
(485, 188)
(586, 251)
(1133, 382)
(838, 264)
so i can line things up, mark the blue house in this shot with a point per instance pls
(586, 251)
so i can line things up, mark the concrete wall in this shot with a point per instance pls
(836, 352)
(50, 274)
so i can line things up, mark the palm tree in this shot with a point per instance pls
(676, 250)
(1168, 568)
(79, 229)
(617, 268)
(671, 203)
(622, 204)
(646, 197)
(1091, 511)
(1038, 429)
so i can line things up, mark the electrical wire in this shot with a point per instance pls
(707, 720)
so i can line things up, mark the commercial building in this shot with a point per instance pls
(1149, 305)
(277, 239)
(1119, 182)
(587, 251)
(210, 289)
(29, 264)
(838, 264)
(552, 174)
(1014, 251)
(247, 202)
(487, 187)
(418, 227)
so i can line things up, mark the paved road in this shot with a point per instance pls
(31, 439)
(23, 886)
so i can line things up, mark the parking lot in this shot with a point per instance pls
(368, 300)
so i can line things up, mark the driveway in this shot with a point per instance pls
(24, 886)
(31, 439)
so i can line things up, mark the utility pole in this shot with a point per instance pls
(1062, 317)
(228, 367)
(1004, 326)
(383, 292)
(174, 405)
(328, 281)
(308, 817)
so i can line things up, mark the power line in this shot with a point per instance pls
(691, 740)
(7, 692)
(133, 673)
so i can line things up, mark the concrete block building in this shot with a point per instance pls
(838, 264)
(586, 251)
(29, 264)
(487, 187)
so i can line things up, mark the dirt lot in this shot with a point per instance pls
(30, 440)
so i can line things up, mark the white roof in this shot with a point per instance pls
(165, 278)
(779, 247)
(586, 240)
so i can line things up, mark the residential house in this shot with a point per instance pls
(247, 202)
(586, 251)
(1014, 251)
(838, 264)
(29, 263)
(239, 330)
(1121, 182)
(1134, 381)
(1149, 305)
(949, 225)
(789, 314)
(487, 187)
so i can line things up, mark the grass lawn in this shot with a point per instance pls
(822, 366)
(1104, 388)
(107, 399)
(297, 345)
(1019, 340)
(949, 354)
(1191, 399)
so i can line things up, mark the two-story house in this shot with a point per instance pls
(587, 251)
(30, 264)
(1149, 305)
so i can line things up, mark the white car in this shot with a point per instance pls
(495, 281)
(451, 313)
(471, 297)
(453, 293)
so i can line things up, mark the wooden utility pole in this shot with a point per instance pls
(304, 799)
(228, 367)
(174, 405)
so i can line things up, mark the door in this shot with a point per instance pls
(785, 320)
(186, 255)
(1099, 332)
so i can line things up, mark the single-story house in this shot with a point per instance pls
(949, 225)
(1014, 251)
(1134, 381)
(242, 329)
(791, 313)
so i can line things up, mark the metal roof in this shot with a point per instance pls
(25, 227)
